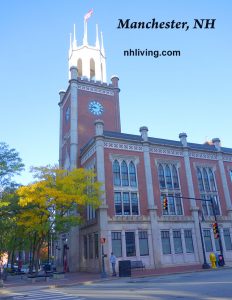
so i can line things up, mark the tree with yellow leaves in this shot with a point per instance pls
(53, 203)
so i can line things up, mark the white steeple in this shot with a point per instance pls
(70, 45)
(89, 60)
(102, 45)
(97, 39)
(74, 38)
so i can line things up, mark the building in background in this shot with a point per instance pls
(137, 172)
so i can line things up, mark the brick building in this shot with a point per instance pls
(138, 172)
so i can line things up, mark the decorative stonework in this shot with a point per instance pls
(166, 151)
(167, 162)
(122, 219)
(127, 158)
(88, 154)
(227, 158)
(121, 146)
(211, 156)
(95, 90)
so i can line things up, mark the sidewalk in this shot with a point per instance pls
(16, 284)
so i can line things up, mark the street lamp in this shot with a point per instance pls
(205, 265)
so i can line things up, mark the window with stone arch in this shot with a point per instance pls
(126, 198)
(92, 69)
(208, 190)
(79, 67)
(169, 184)
(124, 171)
(132, 174)
(116, 173)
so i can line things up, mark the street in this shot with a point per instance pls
(207, 285)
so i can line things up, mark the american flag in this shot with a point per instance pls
(88, 15)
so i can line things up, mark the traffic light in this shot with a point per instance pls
(215, 230)
(165, 203)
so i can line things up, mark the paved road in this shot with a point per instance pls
(208, 285)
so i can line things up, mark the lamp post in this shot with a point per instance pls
(103, 255)
(205, 265)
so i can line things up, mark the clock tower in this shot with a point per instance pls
(88, 97)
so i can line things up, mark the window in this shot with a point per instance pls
(206, 180)
(168, 177)
(124, 169)
(165, 239)
(134, 204)
(175, 178)
(85, 247)
(212, 182)
(125, 188)
(188, 241)
(90, 246)
(200, 180)
(227, 238)
(132, 172)
(208, 190)
(116, 243)
(170, 188)
(116, 173)
(161, 176)
(130, 244)
(96, 248)
(118, 203)
(126, 203)
(177, 241)
(174, 204)
(207, 240)
(143, 243)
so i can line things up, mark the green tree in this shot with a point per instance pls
(54, 203)
(10, 164)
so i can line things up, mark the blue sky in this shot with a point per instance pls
(190, 93)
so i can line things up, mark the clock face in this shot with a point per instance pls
(96, 108)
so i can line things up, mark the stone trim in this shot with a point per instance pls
(120, 146)
(227, 158)
(95, 90)
(166, 151)
(203, 155)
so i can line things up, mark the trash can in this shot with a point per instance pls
(221, 262)
(124, 267)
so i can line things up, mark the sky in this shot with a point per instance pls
(190, 93)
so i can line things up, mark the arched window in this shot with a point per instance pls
(168, 177)
(92, 69)
(124, 170)
(161, 176)
(175, 177)
(79, 67)
(212, 181)
(116, 173)
(206, 180)
(200, 180)
(132, 172)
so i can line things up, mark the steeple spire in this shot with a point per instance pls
(102, 45)
(97, 39)
(74, 38)
(85, 38)
(70, 45)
